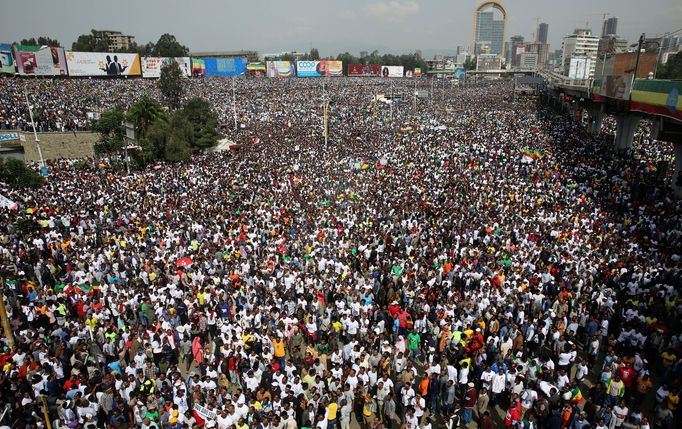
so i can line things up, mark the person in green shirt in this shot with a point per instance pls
(414, 339)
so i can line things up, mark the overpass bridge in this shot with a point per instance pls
(629, 101)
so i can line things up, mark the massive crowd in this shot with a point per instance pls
(476, 260)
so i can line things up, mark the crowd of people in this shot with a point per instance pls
(471, 259)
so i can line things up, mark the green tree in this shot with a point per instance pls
(93, 42)
(146, 50)
(111, 130)
(168, 46)
(170, 83)
(204, 123)
(177, 141)
(470, 63)
(15, 173)
(672, 69)
(314, 54)
(144, 113)
(41, 41)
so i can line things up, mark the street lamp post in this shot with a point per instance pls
(35, 133)
(639, 51)
(234, 105)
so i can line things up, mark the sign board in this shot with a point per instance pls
(392, 71)
(6, 59)
(9, 136)
(151, 66)
(319, 68)
(40, 61)
(102, 64)
(281, 69)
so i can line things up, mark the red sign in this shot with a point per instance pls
(364, 70)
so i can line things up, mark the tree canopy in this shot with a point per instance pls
(671, 69)
(41, 41)
(170, 136)
(170, 83)
(15, 173)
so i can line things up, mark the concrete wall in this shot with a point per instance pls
(55, 145)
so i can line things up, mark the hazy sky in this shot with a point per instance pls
(331, 25)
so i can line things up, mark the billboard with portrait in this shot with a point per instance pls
(151, 66)
(225, 66)
(392, 71)
(40, 61)
(319, 68)
(6, 59)
(281, 69)
(198, 66)
(102, 64)
(364, 70)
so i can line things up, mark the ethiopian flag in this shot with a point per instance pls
(577, 395)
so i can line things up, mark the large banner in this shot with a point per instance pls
(151, 66)
(319, 68)
(460, 73)
(6, 59)
(40, 61)
(392, 71)
(364, 70)
(281, 69)
(198, 66)
(232, 66)
(102, 64)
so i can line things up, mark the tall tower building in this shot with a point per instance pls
(543, 30)
(488, 32)
(610, 26)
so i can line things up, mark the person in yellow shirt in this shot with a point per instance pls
(332, 410)
(279, 352)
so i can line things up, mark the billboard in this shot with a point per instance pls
(224, 66)
(198, 66)
(40, 61)
(392, 71)
(579, 68)
(319, 68)
(460, 73)
(102, 64)
(281, 69)
(364, 70)
(151, 66)
(6, 59)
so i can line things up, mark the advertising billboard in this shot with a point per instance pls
(40, 61)
(229, 66)
(460, 73)
(102, 64)
(6, 59)
(281, 69)
(579, 68)
(392, 71)
(151, 66)
(364, 70)
(198, 66)
(319, 68)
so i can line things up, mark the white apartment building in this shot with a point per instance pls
(582, 43)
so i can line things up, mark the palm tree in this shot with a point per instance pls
(144, 113)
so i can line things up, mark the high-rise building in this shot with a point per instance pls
(542, 53)
(488, 32)
(517, 48)
(543, 30)
(610, 27)
(116, 40)
(611, 44)
(582, 43)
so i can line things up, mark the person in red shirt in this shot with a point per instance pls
(628, 376)
(72, 383)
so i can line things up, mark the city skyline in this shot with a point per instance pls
(354, 25)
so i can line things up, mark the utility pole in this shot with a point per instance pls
(9, 335)
(640, 43)
(35, 133)
(325, 110)
(48, 423)
(391, 101)
(234, 106)
(414, 103)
